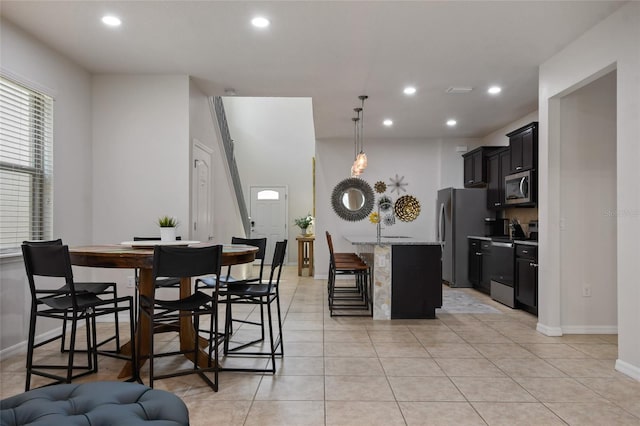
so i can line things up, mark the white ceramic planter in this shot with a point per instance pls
(167, 234)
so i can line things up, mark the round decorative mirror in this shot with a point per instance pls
(352, 199)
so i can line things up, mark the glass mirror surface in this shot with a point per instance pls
(353, 199)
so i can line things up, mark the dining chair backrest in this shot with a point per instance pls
(261, 243)
(171, 261)
(57, 242)
(330, 244)
(178, 238)
(278, 262)
(47, 259)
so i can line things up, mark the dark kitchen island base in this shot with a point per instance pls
(416, 283)
(406, 276)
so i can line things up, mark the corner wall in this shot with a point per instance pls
(611, 44)
(34, 63)
(588, 205)
(141, 153)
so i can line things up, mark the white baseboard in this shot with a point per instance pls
(21, 348)
(549, 331)
(628, 369)
(590, 329)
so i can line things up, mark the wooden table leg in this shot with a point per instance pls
(142, 352)
(188, 333)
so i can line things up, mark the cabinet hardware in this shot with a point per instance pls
(496, 204)
(478, 254)
(519, 168)
(470, 181)
(524, 251)
(533, 265)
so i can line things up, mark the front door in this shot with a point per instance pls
(269, 215)
(201, 193)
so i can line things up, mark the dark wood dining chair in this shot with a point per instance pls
(44, 262)
(108, 289)
(185, 262)
(264, 294)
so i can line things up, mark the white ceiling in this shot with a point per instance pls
(332, 51)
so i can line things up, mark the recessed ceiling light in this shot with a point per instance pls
(409, 90)
(388, 122)
(260, 22)
(494, 90)
(451, 123)
(112, 21)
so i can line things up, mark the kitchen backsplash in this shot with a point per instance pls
(524, 216)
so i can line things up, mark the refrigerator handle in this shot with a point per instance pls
(441, 224)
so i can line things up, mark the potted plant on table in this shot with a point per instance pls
(304, 223)
(168, 227)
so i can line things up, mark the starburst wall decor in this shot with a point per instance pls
(397, 184)
(406, 208)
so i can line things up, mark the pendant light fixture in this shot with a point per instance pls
(361, 158)
(354, 171)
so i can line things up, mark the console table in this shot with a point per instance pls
(305, 254)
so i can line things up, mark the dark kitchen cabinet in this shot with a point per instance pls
(485, 282)
(526, 278)
(498, 164)
(475, 262)
(475, 166)
(523, 146)
(478, 269)
(416, 289)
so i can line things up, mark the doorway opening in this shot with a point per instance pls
(269, 213)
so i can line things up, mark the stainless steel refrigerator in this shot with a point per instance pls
(461, 212)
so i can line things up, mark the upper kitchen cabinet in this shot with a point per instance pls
(523, 144)
(498, 166)
(475, 166)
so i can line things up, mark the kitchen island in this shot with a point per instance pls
(407, 275)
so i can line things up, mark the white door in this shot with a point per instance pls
(268, 212)
(201, 193)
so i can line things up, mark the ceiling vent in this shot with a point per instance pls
(458, 90)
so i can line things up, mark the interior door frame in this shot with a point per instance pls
(197, 144)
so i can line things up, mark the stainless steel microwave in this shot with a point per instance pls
(518, 188)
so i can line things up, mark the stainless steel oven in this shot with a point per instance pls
(518, 188)
(502, 266)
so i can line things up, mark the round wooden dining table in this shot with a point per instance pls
(141, 257)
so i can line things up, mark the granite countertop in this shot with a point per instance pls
(522, 242)
(396, 240)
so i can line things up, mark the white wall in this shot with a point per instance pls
(141, 158)
(612, 44)
(32, 62)
(451, 162)
(417, 160)
(204, 128)
(274, 145)
(588, 203)
(499, 137)
(141, 152)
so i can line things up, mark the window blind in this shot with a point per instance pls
(26, 165)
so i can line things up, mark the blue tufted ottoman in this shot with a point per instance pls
(94, 404)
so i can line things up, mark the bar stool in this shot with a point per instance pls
(349, 298)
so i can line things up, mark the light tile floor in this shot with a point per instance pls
(459, 369)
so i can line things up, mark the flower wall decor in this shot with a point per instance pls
(406, 208)
(398, 184)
